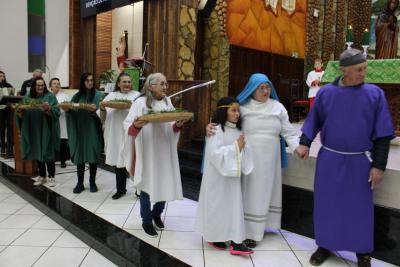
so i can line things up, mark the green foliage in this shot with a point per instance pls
(177, 110)
(109, 76)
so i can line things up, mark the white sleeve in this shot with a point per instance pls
(135, 111)
(225, 158)
(247, 159)
(289, 133)
(310, 79)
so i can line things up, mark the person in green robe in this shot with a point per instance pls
(84, 129)
(40, 130)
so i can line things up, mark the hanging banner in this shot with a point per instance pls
(93, 7)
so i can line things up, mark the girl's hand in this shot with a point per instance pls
(241, 141)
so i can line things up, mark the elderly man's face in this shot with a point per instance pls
(355, 74)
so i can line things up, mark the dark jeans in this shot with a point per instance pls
(64, 150)
(121, 175)
(145, 208)
(51, 168)
(81, 172)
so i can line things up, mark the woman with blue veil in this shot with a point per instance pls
(266, 126)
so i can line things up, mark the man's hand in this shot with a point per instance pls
(210, 129)
(302, 151)
(375, 177)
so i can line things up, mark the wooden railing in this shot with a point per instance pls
(197, 101)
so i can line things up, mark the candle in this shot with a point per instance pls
(366, 37)
(349, 34)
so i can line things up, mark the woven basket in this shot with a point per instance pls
(30, 106)
(69, 105)
(118, 104)
(166, 116)
(65, 105)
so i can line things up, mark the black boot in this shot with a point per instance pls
(319, 256)
(81, 175)
(363, 260)
(92, 179)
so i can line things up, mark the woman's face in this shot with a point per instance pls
(262, 93)
(39, 87)
(55, 86)
(125, 84)
(89, 82)
(233, 114)
(2, 77)
(159, 88)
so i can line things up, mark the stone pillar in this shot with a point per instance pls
(187, 42)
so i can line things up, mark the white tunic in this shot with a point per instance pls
(313, 76)
(220, 209)
(262, 189)
(114, 129)
(157, 167)
(63, 97)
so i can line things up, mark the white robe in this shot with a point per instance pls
(313, 76)
(262, 188)
(63, 97)
(157, 166)
(220, 208)
(114, 129)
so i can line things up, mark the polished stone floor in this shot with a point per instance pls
(279, 248)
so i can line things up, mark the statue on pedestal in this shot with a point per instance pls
(386, 31)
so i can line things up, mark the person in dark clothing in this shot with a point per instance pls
(5, 122)
(37, 73)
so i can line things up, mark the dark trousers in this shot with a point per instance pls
(145, 208)
(51, 168)
(81, 172)
(121, 175)
(64, 150)
(6, 127)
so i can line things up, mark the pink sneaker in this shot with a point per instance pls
(240, 249)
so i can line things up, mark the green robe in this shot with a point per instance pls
(40, 132)
(85, 136)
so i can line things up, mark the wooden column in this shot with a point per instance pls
(103, 47)
(74, 43)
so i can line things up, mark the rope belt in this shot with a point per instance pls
(366, 153)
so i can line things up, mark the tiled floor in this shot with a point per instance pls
(30, 238)
(24, 225)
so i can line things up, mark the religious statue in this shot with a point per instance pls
(386, 31)
(121, 52)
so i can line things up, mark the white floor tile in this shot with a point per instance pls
(333, 261)
(133, 222)
(272, 241)
(5, 196)
(95, 259)
(5, 190)
(91, 197)
(181, 210)
(37, 238)
(14, 199)
(29, 210)
(298, 242)
(20, 221)
(90, 206)
(2, 248)
(20, 256)
(213, 258)
(68, 240)
(7, 236)
(117, 208)
(47, 223)
(62, 257)
(116, 219)
(129, 197)
(3, 216)
(145, 237)
(10, 208)
(182, 224)
(275, 258)
(180, 240)
(192, 257)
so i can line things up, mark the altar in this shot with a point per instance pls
(385, 73)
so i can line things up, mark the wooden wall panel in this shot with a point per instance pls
(74, 43)
(103, 42)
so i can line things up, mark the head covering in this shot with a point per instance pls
(351, 57)
(256, 80)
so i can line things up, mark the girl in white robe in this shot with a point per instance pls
(155, 162)
(220, 215)
(55, 87)
(114, 131)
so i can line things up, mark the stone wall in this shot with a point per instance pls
(216, 58)
(187, 42)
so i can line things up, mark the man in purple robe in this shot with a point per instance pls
(355, 125)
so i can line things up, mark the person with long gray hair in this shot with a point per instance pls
(156, 166)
